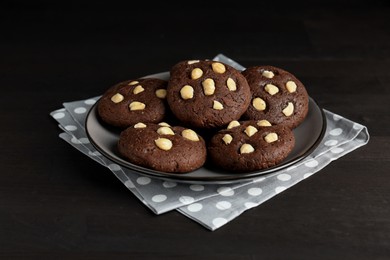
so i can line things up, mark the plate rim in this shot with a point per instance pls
(181, 177)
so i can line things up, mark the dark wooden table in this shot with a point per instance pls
(55, 202)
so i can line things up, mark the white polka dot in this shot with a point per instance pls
(94, 153)
(195, 207)
(279, 189)
(114, 167)
(90, 101)
(337, 150)
(197, 187)
(219, 222)
(59, 115)
(80, 110)
(336, 117)
(225, 191)
(186, 199)
(84, 140)
(249, 205)
(223, 205)
(331, 142)
(291, 168)
(357, 126)
(143, 180)
(71, 127)
(311, 163)
(75, 140)
(259, 179)
(255, 191)
(169, 184)
(129, 184)
(360, 140)
(308, 174)
(284, 177)
(159, 198)
(336, 131)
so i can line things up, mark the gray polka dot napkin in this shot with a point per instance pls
(212, 205)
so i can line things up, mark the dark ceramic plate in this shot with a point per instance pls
(308, 135)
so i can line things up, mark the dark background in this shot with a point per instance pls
(55, 202)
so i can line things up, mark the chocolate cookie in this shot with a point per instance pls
(277, 96)
(207, 94)
(162, 147)
(133, 101)
(251, 145)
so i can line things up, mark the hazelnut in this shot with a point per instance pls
(190, 135)
(138, 89)
(163, 143)
(291, 86)
(134, 82)
(268, 74)
(263, 123)
(192, 62)
(227, 138)
(208, 86)
(250, 130)
(231, 84)
(233, 124)
(259, 104)
(217, 105)
(163, 124)
(196, 73)
(247, 148)
(137, 106)
(218, 67)
(139, 125)
(271, 89)
(117, 98)
(271, 137)
(187, 92)
(161, 93)
(289, 109)
(165, 130)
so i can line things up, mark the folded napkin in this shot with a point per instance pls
(213, 205)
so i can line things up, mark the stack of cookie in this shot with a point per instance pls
(207, 111)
